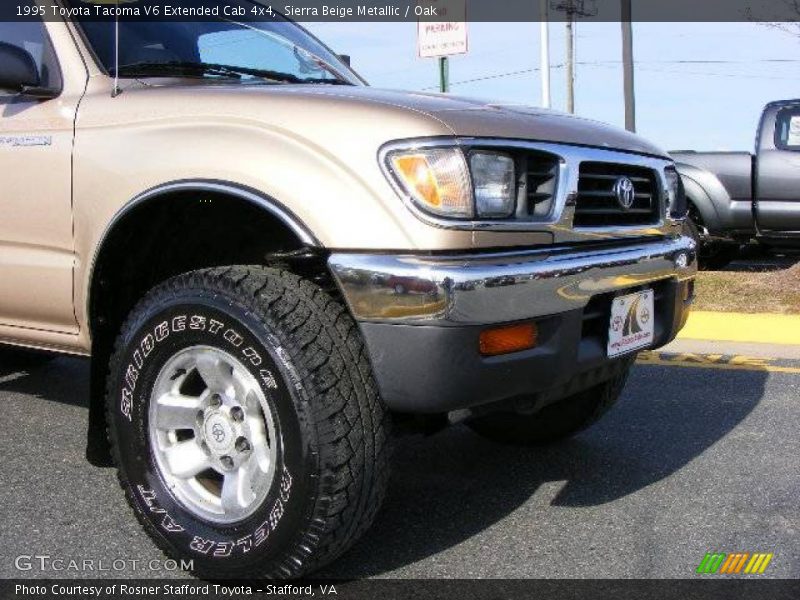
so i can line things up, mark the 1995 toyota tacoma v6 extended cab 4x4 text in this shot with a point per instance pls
(269, 262)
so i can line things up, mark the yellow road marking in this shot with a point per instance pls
(741, 327)
(713, 361)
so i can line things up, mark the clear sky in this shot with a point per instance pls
(680, 105)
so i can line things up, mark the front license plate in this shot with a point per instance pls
(632, 323)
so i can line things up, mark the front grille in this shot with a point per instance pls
(536, 184)
(597, 205)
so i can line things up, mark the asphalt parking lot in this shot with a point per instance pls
(692, 460)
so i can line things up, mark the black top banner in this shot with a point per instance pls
(403, 10)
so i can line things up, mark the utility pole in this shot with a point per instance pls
(627, 67)
(544, 45)
(444, 74)
(570, 60)
(573, 8)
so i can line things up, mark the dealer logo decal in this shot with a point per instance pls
(736, 563)
(631, 324)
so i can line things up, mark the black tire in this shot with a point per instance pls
(712, 254)
(555, 421)
(758, 250)
(333, 427)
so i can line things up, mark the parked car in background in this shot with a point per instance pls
(410, 285)
(738, 196)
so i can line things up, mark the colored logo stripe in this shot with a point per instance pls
(711, 562)
(758, 564)
(733, 564)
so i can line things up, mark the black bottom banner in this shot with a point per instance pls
(391, 589)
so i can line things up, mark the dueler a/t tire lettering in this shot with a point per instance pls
(330, 427)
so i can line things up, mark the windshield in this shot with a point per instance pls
(277, 51)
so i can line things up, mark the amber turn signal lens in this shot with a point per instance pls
(436, 179)
(511, 338)
(417, 173)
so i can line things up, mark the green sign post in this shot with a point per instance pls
(444, 74)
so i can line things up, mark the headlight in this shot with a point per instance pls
(676, 196)
(436, 180)
(439, 181)
(495, 184)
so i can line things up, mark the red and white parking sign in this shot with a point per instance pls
(443, 38)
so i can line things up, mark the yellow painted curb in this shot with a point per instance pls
(741, 327)
(714, 361)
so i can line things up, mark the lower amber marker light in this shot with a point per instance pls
(507, 339)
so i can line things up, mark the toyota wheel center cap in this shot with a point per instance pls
(219, 433)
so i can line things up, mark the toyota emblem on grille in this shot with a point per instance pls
(624, 192)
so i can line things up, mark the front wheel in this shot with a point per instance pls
(712, 254)
(245, 423)
(555, 421)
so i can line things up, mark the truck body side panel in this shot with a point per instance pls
(733, 169)
(37, 258)
(721, 213)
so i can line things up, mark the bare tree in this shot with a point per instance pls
(790, 28)
(788, 21)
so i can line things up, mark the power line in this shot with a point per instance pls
(723, 62)
(706, 73)
(618, 62)
(496, 76)
(695, 62)
(712, 74)
(609, 63)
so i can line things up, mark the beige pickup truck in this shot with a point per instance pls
(274, 268)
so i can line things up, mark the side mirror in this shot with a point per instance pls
(18, 73)
(345, 58)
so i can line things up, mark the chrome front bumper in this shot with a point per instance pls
(421, 318)
(502, 287)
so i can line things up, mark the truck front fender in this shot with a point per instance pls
(721, 215)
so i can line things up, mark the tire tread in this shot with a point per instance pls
(351, 423)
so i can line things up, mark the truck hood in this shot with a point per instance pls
(450, 115)
(471, 117)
